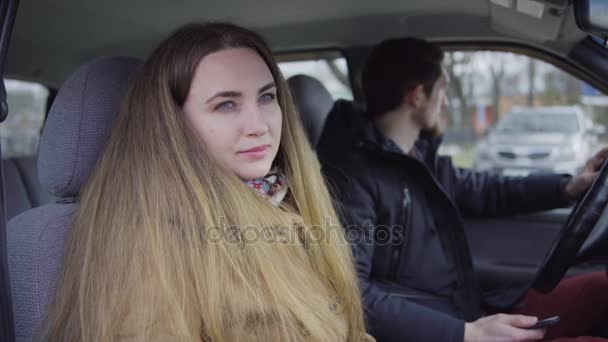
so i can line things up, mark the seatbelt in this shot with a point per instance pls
(8, 11)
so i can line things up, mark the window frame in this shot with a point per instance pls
(304, 55)
(563, 63)
(50, 96)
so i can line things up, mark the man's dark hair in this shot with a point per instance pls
(397, 66)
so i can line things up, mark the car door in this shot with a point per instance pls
(8, 12)
(486, 84)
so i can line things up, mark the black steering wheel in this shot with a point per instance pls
(570, 240)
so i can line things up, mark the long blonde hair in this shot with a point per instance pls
(159, 239)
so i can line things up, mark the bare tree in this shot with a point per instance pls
(497, 73)
(573, 90)
(552, 94)
(458, 87)
(531, 78)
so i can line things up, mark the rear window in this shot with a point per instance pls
(328, 67)
(20, 132)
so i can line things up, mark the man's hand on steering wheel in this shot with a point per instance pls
(590, 189)
(578, 184)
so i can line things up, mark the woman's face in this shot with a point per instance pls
(232, 105)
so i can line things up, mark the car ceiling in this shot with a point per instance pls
(51, 38)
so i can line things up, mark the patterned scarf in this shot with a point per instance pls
(274, 185)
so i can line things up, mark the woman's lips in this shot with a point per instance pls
(255, 153)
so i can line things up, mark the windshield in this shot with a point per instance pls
(538, 123)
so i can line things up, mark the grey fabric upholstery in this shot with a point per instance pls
(28, 169)
(80, 125)
(23, 189)
(17, 199)
(314, 103)
(35, 253)
(76, 131)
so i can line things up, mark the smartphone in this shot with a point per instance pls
(545, 323)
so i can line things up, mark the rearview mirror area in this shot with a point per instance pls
(592, 17)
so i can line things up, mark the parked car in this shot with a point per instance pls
(541, 139)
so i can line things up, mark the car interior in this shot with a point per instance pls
(84, 52)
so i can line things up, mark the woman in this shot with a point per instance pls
(207, 217)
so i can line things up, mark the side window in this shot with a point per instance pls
(515, 115)
(20, 132)
(329, 68)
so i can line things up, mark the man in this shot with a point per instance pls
(402, 207)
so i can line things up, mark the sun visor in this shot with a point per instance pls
(537, 20)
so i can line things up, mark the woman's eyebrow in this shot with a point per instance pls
(266, 87)
(233, 94)
(225, 94)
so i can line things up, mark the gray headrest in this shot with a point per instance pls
(79, 123)
(314, 103)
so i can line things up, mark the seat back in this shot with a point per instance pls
(75, 134)
(23, 189)
(313, 101)
(17, 198)
(28, 168)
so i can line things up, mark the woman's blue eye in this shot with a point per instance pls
(226, 105)
(268, 97)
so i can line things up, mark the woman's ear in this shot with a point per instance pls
(416, 97)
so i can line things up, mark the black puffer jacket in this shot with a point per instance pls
(403, 218)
